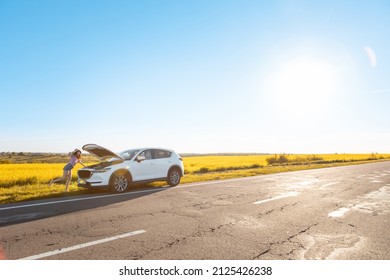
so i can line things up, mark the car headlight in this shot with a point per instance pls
(101, 170)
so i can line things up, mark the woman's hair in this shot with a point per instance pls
(75, 152)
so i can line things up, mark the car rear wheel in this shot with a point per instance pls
(174, 176)
(120, 182)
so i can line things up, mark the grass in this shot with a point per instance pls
(28, 181)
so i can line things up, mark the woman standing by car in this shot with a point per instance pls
(75, 157)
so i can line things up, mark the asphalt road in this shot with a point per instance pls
(331, 213)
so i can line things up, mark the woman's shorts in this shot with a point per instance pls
(68, 167)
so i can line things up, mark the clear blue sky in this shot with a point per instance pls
(195, 76)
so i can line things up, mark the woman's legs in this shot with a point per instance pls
(63, 178)
(68, 179)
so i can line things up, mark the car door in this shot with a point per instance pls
(162, 161)
(144, 169)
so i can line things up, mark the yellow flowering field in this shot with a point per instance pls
(204, 164)
(31, 173)
(212, 163)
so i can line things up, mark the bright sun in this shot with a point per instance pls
(302, 87)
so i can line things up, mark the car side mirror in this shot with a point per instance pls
(140, 158)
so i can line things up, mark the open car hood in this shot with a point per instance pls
(100, 152)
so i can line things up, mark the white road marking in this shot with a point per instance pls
(329, 184)
(376, 181)
(80, 246)
(289, 194)
(299, 185)
(339, 213)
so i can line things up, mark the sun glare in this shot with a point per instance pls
(302, 87)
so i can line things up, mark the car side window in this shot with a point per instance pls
(128, 155)
(147, 154)
(161, 154)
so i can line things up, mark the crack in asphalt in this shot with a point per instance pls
(198, 233)
(23, 236)
(183, 215)
(287, 240)
(277, 209)
(342, 223)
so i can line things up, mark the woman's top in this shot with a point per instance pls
(73, 160)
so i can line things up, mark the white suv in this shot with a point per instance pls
(118, 171)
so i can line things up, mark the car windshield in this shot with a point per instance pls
(129, 154)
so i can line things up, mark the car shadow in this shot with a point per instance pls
(22, 212)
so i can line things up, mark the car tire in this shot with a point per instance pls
(174, 176)
(120, 182)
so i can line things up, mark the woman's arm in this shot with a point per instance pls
(81, 163)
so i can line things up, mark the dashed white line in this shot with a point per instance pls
(339, 213)
(80, 246)
(289, 194)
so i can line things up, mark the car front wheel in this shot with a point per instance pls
(174, 176)
(120, 182)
